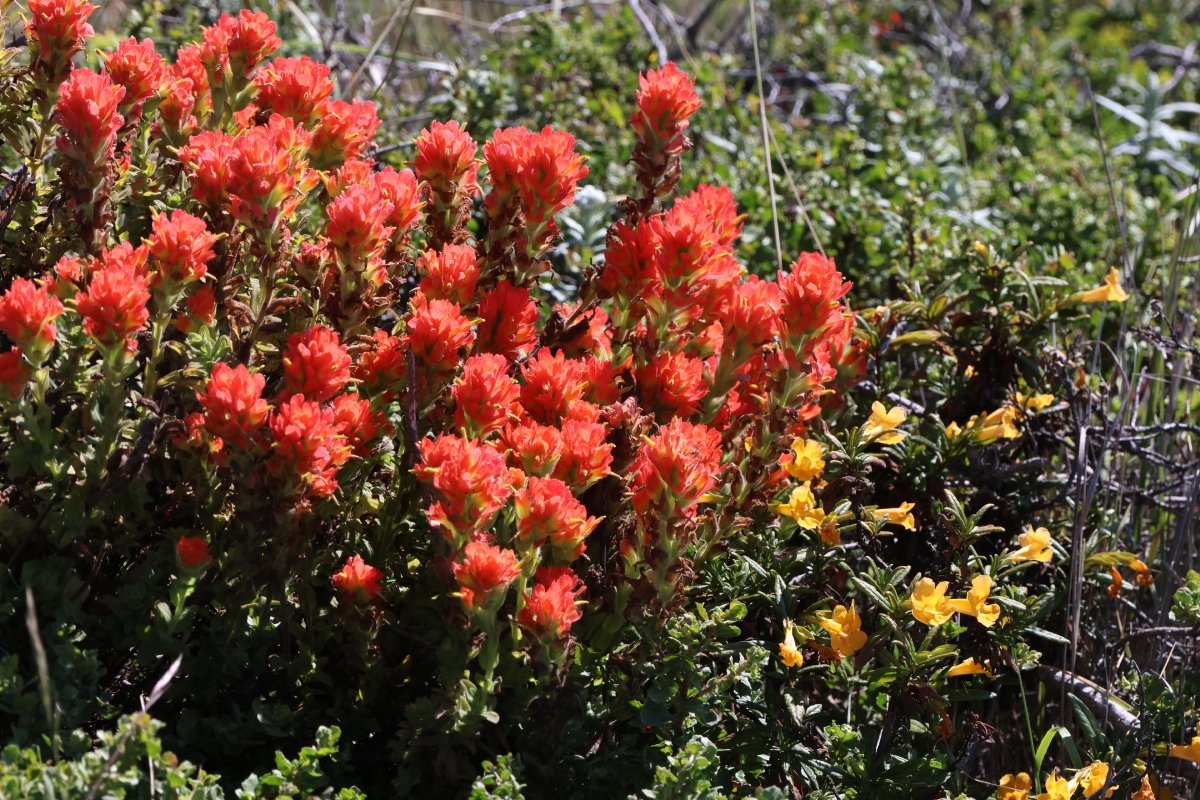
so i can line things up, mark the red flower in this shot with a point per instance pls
(666, 99)
(353, 172)
(315, 364)
(540, 169)
(403, 191)
(88, 112)
(484, 574)
(185, 94)
(471, 479)
(27, 315)
(69, 271)
(551, 609)
(751, 315)
(811, 294)
(297, 88)
(675, 467)
(690, 259)
(508, 313)
(358, 223)
(345, 131)
(353, 419)
(207, 156)
(716, 205)
(358, 581)
(140, 69)
(593, 332)
(485, 395)
(603, 379)
(114, 307)
(56, 30)
(307, 442)
(14, 374)
(192, 552)
(449, 275)
(630, 262)
(201, 308)
(240, 43)
(446, 160)
(673, 382)
(234, 408)
(181, 248)
(532, 447)
(552, 384)
(437, 331)
(382, 368)
(586, 456)
(546, 510)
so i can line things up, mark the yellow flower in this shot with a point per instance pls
(808, 460)
(1109, 291)
(897, 516)
(968, 667)
(802, 507)
(976, 604)
(1092, 778)
(997, 425)
(843, 626)
(1188, 752)
(1014, 787)
(787, 648)
(953, 431)
(929, 602)
(1035, 546)
(1036, 402)
(829, 532)
(1057, 788)
(881, 427)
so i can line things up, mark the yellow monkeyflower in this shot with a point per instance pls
(1014, 787)
(968, 667)
(1188, 752)
(976, 604)
(953, 431)
(882, 424)
(844, 627)
(1092, 779)
(929, 602)
(802, 507)
(807, 461)
(1057, 788)
(787, 648)
(999, 424)
(901, 515)
(1035, 402)
(1108, 292)
(829, 532)
(1035, 546)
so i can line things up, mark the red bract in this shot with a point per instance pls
(201, 308)
(357, 580)
(484, 574)
(811, 294)
(358, 222)
(446, 159)
(603, 379)
(192, 552)
(630, 263)
(485, 395)
(672, 382)
(27, 315)
(114, 307)
(345, 131)
(540, 169)
(449, 275)
(180, 247)
(207, 156)
(552, 384)
(471, 479)
(675, 467)
(307, 443)
(186, 96)
(297, 88)
(551, 609)
(532, 447)
(56, 30)
(546, 510)
(586, 456)
(690, 259)
(234, 410)
(140, 69)
(717, 206)
(508, 314)
(403, 190)
(437, 331)
(353, 418)
(240, 43)
(354, 172)
(315, 364)
(751, 315)
(87, 111)
(14, 374)
(382, 368)
(666, 99)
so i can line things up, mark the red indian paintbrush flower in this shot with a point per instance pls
(672, 382)
(484, 574)
(541, 170)
(358, 223)
(751, 315)
(547, 511)
(471, 479)
(630, 263)
(485, 395)
(192, 552)
(586, 456)
(532, 447)
(358, 581)
(139, 68)
(56, 31)
(402, 189)
(239, 43)
(508, 314)
(353, 172)
(297, 88)
(307, 443)
(345, 131)
(14, 374)
(200, 307)
(353, 419)
(666, 99)
(234, 409)
(446, 159)
(437, 331)
(315, 364)
(552, 385)
(87, 110)
(382, 368)
(114, 307)
(675, 467)
(551, 608)
(27, 315)
(450, 274)
(180, 248)
(811, 293)
(717, 205)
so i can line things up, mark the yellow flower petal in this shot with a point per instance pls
(929, 603)
(1014, 787)
(788, 651)
(1035, 546)
(808, 460)
(968, 667)
(882, 424)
